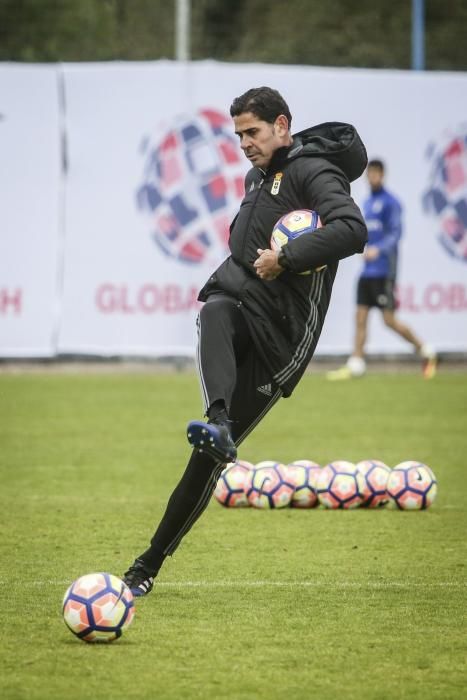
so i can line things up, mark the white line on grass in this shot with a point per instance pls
(266, 583)
(305, 584)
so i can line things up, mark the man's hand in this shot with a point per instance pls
(266, 264)
(371, 252)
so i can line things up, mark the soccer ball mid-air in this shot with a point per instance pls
(303, 474)
(268, 485)
(230, 488)
(375, 474)
(98, 607)
(412, 486)
(340, 485)
(293, 225)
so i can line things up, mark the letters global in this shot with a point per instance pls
(148, 298)
(433, 298)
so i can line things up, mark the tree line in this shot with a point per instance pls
(358, 33)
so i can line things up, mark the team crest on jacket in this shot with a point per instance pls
(276, 184)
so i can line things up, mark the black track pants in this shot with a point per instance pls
(229, 369)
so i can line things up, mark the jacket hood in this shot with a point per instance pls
(337, 142)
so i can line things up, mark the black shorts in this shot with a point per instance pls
(376, 291)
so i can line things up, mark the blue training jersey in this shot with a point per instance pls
(383, 216)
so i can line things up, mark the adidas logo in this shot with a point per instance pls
(266, 389)
(146, 585)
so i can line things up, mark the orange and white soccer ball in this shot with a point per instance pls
(268, 485)
(375, 474)
(98, 607)
(303, 473)
(230, 487)
(292, 225)
(340, 485)
(412, 486)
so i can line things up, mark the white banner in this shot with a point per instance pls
(155, 175)
(417, 124)
(29, 210)
(155, 178)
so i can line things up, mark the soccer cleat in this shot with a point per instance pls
(429, 361)
(339, 374)
(212, 438)
(429, 366)
(138, 579)
(354, 367)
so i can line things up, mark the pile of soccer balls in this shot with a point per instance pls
(305, 484)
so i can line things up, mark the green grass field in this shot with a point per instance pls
(296, 604)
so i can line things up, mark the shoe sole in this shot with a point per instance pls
(205, 438)
(138, 593)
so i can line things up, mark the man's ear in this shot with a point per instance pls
(282, 125)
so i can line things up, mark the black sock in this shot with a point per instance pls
(217, 412)
(152, 559)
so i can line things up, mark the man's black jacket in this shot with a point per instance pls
(286, 315)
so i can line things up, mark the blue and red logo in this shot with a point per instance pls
(193, 183)
(446, 197)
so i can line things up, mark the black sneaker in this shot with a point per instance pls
(139, 579)
(213, 438)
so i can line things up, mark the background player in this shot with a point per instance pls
(375, 288)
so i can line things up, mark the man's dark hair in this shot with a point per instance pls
(264, 102)
(376, 163)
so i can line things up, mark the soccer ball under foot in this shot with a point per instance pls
(98, 607)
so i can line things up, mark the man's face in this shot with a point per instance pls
(259, 139)
(375, 178)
